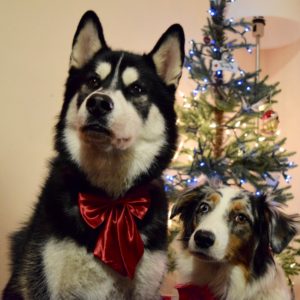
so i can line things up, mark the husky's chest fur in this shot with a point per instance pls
(116, 132)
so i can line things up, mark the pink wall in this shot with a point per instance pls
(35, 44)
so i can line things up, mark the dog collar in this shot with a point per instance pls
(194, 292)
(119, 244)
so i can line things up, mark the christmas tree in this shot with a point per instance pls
(228, 127)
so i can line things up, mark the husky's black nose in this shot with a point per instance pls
(204, 239)
(99, 105)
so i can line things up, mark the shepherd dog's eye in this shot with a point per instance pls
(240, 219)
(136, 90)
(204, 208)
(93, 82)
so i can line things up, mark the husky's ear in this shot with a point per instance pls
(282, 228)
(88, 40)
(168, 55)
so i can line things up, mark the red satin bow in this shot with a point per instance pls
(194, 292)
(119, 243)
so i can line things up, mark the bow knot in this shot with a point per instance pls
(119, 243)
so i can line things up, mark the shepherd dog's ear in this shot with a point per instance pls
(168, 55)
(282, 228)
(187, 202)
(87, 41)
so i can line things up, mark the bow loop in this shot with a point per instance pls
(119, 243)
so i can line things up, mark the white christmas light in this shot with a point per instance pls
(213, 125)
(237, 124)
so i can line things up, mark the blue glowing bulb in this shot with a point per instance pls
(195, 92)
(212, 12)
(258, 193)
(239, 82)
(248, 88)
(202, 164)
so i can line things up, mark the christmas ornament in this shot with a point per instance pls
(206, 40)
(224, 65)
(269, 122)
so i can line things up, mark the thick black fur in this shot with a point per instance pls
(56, 214)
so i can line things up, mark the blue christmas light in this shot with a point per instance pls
(247, 29)
(195, 92)
(170, 178)
(212, 12)
(205, 80)
(212, 42)
(287, 178)
(219, 74)
(242, 72)
(248, 88)
(258, 193)
(242, 181)
(291, 164)
(215, 49)
(202, 164)
(192, 52)
(240, 82)
(249, 49)
(189, 67)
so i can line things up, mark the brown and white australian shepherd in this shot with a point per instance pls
(228, 240)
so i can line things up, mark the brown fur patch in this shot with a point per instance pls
(240, 251)
(106, 169)
(215, 198)
(238, 206)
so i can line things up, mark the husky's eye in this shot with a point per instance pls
(93, 83)
(136, 90)
(240, 219)
(204, 208)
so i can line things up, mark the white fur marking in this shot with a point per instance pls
(116, 75)
(103, 70)
(71, 131)
(150, 142)
(129, 76)
(72, 273)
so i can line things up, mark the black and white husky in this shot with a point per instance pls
(227, 242)
(116, 134)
